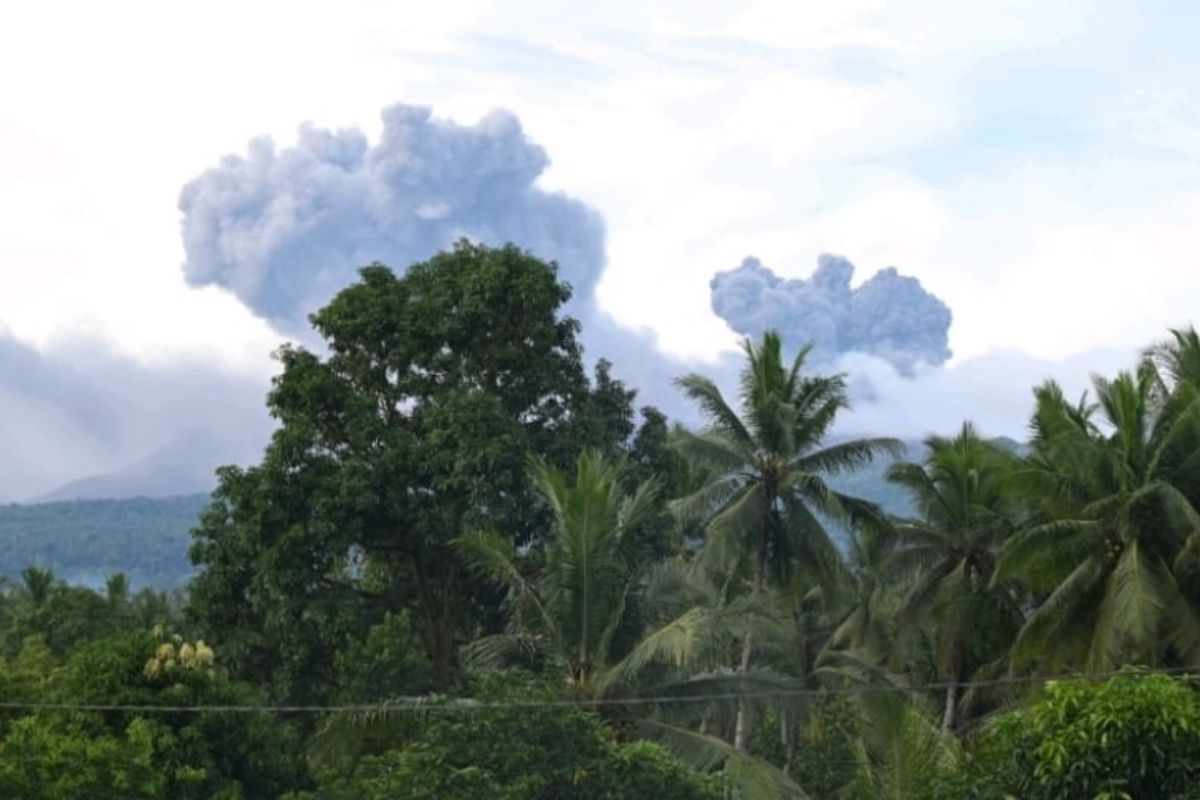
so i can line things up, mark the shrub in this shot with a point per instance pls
(1134, 736)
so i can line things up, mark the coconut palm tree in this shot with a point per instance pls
(1113, 526)
(950, 549)
(569, 599)
(763, 508)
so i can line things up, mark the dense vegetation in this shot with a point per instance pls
(147, 538)
(498, 579)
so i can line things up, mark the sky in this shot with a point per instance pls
(1033, 164)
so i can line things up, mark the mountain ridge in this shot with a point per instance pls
(147, 536)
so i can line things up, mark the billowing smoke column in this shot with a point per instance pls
(889, 316)
(285, 229)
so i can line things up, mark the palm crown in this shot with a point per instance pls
(1110, 524)
(770, 490)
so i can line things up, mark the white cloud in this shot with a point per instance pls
(993, 390)
(703, 132)
(74, 408)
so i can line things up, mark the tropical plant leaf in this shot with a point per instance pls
(749, 777)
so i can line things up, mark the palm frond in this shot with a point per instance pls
(673, 585)
(346, 733)
(921, 486)
(726, 531)
(903, 746)
(749, 777)
(712, 447)
(699, 638)
(709, 499)
(1179, 356)
(639, 506)
(1130, 613)
(818, 402)
(494, 557)
(857, 669)
(720, 416)
(1043, 555)
(757, 689)
(847, 456)
(488, 653)
(675, 644)
(807, 540)
(1071, 602)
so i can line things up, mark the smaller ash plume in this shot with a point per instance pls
(890, 316)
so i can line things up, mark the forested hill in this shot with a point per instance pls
(84, 541)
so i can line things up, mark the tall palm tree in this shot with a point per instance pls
(964, 515)
(1113, 526)
(573, 602)
(765, 504)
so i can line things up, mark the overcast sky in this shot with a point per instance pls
(1033, 163)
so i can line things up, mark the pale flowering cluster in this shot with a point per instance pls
(176, 654)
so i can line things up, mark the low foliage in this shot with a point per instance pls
(522, 753)
(1135, 737)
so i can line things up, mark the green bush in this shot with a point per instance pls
(53, 763)
(530, 753)
(822, 757)
(1134, 736)
(61, 755)
(388, 662)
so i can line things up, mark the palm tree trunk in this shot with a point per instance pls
(760, 574)
(951, 705)
(787, 740)
(739, 730)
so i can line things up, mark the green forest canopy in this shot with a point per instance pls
(525, 587)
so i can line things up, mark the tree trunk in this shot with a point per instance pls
(951, 705)
(740, 732)
(787, 740)
(442, 662)
(436, 613)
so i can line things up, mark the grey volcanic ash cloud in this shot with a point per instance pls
(285, 228)
(889, 316)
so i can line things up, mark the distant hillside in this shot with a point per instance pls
(869, 484)
(184, 466)
(147, 538)
(87, 540)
